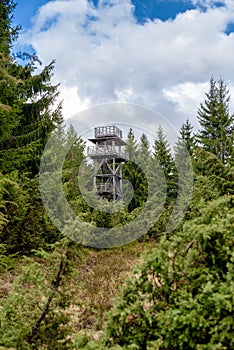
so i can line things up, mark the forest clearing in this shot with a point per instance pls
(168, 288)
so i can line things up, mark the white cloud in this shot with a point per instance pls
(207, 3)
(70, 97)
(103, 55)
(187, 96)
(213, 3)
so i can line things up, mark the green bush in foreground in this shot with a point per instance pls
(182, 296)
(35, 313)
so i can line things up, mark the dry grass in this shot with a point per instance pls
(101, 274)
(6, 282)
(100, 277)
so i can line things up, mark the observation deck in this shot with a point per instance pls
(108, 144)
(107, 151)
(108, 134)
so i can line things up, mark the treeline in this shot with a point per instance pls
(30, 111)
(181, 297)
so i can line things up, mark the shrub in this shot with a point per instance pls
(182, 296)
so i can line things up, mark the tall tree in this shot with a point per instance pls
(8, 99)
(186, 138)
(133, 172)
(72, 162)
(36, 118)
(27, 110)
(7, 33)
(183, 154)
(144, 148)
(28, 114)
(144, 160)
(8, 83)
(162, 153)
(217, 125)
(131, 147)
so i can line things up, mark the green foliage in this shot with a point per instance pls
(217, 125)
(220, 175)
(212, 179)
(186, 139)
(7, 33)
(72, 162)
(36, 118)
(7, 262)
(8, 82)
(28, 114)
(25, 225)
(162, 154)
(183, 157)
(8, 99)
(133, 170)
(35, 312)
(13, 202)
(182, 296)
(4, 183)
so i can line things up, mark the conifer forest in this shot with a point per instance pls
(167, 290)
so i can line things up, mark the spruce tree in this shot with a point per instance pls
(72, 162)
(133, 172)
(8, 83)
(131, 147)
(8, 100)
(162, 153)
(28, 114)
(23, 147)
(27, 103)
(183, 152)
(217, 125)
(144, 148)
(183, 155)
(186, 138)
(129, 170)
(8, 34)
(144, 156)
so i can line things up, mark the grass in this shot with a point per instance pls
(100, 277)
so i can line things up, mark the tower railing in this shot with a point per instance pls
(103, 131)
(106, 150)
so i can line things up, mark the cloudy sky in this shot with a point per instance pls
(159, 54)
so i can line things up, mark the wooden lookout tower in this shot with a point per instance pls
(108, 154)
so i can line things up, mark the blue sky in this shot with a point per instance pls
(25, 10)
(144, 9)
(163, 10)
(159, 54)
